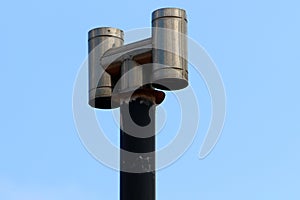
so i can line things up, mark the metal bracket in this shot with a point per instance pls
(140, 52)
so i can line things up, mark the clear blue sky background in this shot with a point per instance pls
(255, 45)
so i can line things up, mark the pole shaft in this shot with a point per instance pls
(137, 186)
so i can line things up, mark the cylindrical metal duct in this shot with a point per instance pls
(101, 83)
(133, 76)
(169, 29)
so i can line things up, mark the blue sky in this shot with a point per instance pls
(255, 45)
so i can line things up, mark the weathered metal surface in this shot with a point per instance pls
(100, 82)
(169, 29)
(140, 52)
(140, 141)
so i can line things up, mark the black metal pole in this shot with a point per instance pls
(137, 174)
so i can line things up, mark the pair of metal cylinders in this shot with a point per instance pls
(167, 69)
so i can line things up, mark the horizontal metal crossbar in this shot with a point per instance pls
(140, 51)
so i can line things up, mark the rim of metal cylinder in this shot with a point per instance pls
(170, 79)
(103, 101)
(169, 12)
(106, 31)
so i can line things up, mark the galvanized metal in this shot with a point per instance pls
(131, 76)
(140, 52)
(169, 29)
(100, 82)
